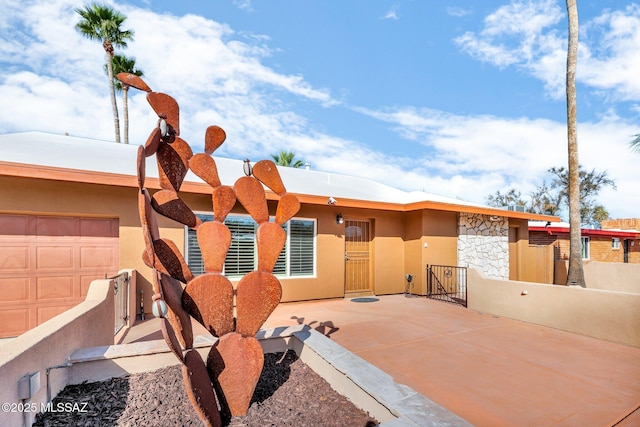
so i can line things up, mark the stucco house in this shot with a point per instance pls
(69, 214)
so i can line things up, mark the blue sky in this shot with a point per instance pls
(459, 98)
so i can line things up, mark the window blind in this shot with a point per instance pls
(301, 247)
(295, 259)
(241, 258)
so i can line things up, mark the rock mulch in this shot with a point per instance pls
(289, 393)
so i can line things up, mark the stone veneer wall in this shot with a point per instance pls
(483, 244)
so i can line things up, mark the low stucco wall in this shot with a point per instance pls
(608, 276)
(89, 324)
(608, 315)
(612, 276)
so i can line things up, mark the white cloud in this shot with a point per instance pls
(614, 62)
(527, 34)
(514, 35)
(458, 11)
(202, 63)
(473, 156)
(392, 13)
(244, 4)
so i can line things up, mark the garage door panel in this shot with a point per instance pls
(57, 226)
(54, 287)
(45, 313)
(17, 225)
(14, 289)
(14, 322)
(98, 227)
(14, 259)
(54, 257)
(97, 257)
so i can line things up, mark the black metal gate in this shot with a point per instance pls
(447, 283)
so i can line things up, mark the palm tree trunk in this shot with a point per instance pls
(116, 122)
(125, 112)
(575, 275)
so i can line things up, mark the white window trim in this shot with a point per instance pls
(288, 267)
(313, 275)
(615, 243)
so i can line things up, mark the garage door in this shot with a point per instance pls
(47, 264)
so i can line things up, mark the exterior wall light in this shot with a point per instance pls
(246, 167)
(339, 219)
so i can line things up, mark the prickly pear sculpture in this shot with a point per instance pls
(231, 371)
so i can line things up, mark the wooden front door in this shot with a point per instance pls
(357, 256)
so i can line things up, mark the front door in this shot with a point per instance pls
(357, 256)
(626, 250)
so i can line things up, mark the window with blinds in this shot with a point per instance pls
(296, 259)
(193, 254)
(301, 253)
(241, 258)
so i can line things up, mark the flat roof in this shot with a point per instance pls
(49, 156)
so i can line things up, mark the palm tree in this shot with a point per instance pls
(103, 23)
(287, 158)
(635, 143)
(575, 275)
(122, 64)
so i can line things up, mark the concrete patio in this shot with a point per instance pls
(490, 371)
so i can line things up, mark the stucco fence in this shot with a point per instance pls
(46, 349)
(607, 314)
(608, 276)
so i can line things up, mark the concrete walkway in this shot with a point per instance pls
(490, 371)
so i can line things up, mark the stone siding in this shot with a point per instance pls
(483, 244)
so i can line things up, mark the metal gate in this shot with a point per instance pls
(120, 300)
(357, 256)
(447, 283)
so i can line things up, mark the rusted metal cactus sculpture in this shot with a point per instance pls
(229, 376)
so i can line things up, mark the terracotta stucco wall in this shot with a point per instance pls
(414, 251)
(387, 246)
(389, 253)
(329, 279)
(398, 239)
(401, 242)
(430, 238)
